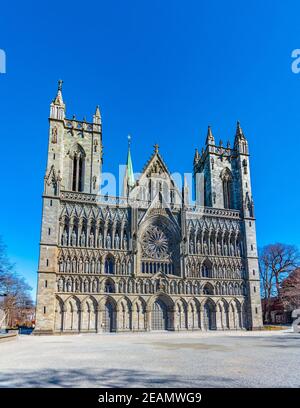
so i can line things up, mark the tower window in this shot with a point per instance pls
(227, 188)
(251, 247)
(256, 310)
(78, 170)
(253, 272)
(50, 203)
(53, 156)
(47, 262)
(46, 283)
(49, 231)
(45, 309)
(254, 289)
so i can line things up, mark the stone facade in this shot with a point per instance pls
(148, 260)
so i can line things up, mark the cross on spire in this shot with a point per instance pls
(156, 147)
(60, 82)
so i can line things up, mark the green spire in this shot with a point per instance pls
(129, 169)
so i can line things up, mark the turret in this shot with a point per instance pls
(210, 140)
(57, 107)
(196, 157)
(97, 116)
(240, 142)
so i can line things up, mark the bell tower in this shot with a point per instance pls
(73, 167)
(225, 175)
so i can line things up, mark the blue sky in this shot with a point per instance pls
(161, 71)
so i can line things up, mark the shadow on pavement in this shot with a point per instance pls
(105, 378)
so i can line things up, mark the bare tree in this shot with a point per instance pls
(276, 262)
(15, 288)
(290, 290)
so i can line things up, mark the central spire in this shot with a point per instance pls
(129, 181)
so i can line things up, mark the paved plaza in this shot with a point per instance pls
(214, 359)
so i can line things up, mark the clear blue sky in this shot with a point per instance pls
(161, 71)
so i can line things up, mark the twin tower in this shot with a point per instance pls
(148, 260)
(75, 160)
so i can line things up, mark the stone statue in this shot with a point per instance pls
(191, 247)
(198, 247)
(91, 243)
(77, 285)
(108, 241)
(60, 285)
(94, 286)
(65, 238)
(219, 248)
(73, 238)
(100, 240)
(54, 135)
(82, 239)
(117, 241)
(125, 242)
(69, 286)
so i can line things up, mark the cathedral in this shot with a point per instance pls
(147, 259)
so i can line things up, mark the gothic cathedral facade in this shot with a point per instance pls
(147, 260)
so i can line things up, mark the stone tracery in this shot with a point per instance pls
(155, 243)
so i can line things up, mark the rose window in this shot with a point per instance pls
(155, 243)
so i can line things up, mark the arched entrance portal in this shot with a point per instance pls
(209, 317)
(159, 316)
(109, 317)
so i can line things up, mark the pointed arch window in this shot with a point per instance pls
(78, 169)
(226, 177)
